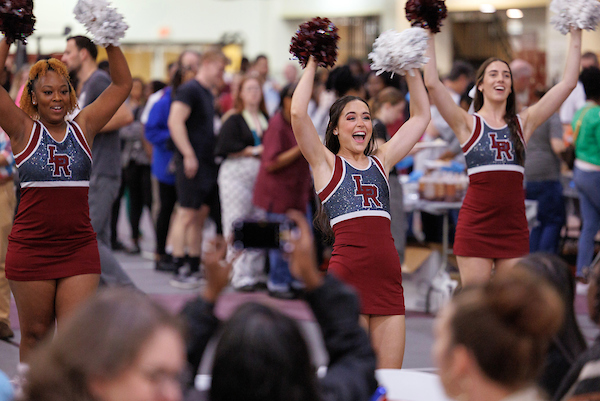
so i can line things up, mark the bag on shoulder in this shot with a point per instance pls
(568, 155)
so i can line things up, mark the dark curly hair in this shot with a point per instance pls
(38, 70)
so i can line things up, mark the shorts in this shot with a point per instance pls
(198, 191)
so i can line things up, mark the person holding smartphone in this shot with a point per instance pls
(261, 353)
(283, 183)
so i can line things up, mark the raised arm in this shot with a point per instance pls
(318, 156)
(458, 119)
(14, 121)
(405, 138)
(551, 101)
(97, 114)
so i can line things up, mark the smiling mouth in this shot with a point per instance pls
(359, 137)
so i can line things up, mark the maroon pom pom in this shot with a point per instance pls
(16, 19)
(318, 38)
(426, 13)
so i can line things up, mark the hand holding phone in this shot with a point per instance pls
(274, 233)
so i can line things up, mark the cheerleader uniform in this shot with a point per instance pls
(364, 256)
(491, 222)
(52, 236)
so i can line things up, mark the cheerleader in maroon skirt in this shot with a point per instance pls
(52, 262)
(350, 176)
(492, 229)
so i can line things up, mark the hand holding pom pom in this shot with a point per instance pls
(318, 38)
(582, 14)
(104, 23)
(399, 52)
(426, 13)
(16, 20)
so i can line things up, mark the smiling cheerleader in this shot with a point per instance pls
(52, 262)
(351, 179)
(492, 229)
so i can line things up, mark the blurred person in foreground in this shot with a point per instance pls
(568, 343)
(583, 380)
(117, 346)
(262, 355)
(491, 339)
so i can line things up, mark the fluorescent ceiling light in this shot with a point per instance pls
(487, 8)
(514, 13)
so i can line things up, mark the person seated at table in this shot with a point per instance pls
(491, 339)
(262, 355)
(569, 343)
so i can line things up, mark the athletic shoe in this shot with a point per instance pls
(165, 266)
(186, 280)
(117, 246)
(133, 250)
(286, 294)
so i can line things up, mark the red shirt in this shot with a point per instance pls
(289, 187)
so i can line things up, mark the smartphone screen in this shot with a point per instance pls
(256, 234)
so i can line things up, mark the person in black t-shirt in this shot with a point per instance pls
(191, 126)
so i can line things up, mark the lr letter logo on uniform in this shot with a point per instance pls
(501, 146)
(59, 162)
(369, 192)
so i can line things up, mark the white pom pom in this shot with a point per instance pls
(399, 52)
(582, 14)
(104, 23)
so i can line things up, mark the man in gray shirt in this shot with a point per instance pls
(80, 58)
(542, 176)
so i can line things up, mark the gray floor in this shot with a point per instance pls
(419, 336)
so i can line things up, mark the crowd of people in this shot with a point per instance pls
(328, 145)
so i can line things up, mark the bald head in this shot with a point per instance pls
(522, 73)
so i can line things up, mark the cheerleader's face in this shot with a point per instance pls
(497, 81)
(355, 127)
(51, 96)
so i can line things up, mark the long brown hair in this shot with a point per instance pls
(510, 117)
(332, 142)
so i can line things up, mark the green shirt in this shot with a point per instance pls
(587, 144)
